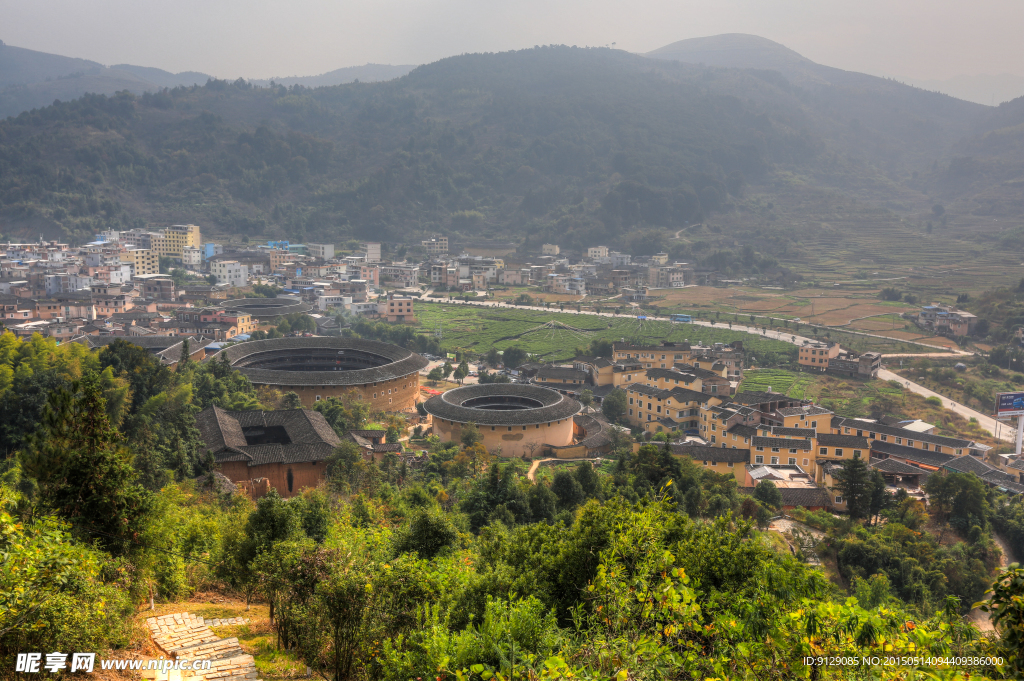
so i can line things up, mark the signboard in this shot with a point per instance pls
(1009, 404)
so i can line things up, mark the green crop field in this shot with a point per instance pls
(790, 383)
(554, 336)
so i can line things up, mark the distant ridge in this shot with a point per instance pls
(368, 73)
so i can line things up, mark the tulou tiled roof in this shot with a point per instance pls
(550, 405)
(301, 435)
(395, 361)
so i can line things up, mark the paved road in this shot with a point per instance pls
(1006, 432)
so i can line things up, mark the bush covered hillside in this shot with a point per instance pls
(584, 144)
(454, 563)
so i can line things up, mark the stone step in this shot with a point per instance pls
(187, 636)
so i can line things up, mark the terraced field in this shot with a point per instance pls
(555, 335)
(789, 383)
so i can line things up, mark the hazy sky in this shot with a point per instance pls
(923, 39)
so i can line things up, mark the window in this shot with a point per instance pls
(631, 400)
(899, 440)
(775, 449)
(758, 458)
(910, 443)
(924, 446)
(792, 461)
(814, 424)
(792, 451)
(839, 500)
(730, 464)
(317, 398)
(805, 462)
(705, 463)
(775, 459)
(846, 430)
(856, 453)
(630, 412)
(938, 449)
(839, 452)
(760, 449)
(885, 438)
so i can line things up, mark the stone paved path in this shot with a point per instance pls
(185, 636)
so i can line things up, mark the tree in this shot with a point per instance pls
(462, 371)
(957, 498)
(568, 490)
(880, 497)
(587, 397)
(768, 494)
(470, 435)
(600, 348)
(1008, 615)
(514, 357)
(291, 400)
(446, 370)
(493, 358)
(614, 405)
(428, 533)
(435, 375)
(854, 482)
(84, 471)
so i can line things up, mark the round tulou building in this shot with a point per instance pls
(523, 420)
(266, 309)
(385, 375)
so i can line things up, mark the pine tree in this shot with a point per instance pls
(84, 471)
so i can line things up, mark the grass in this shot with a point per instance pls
(479, 329)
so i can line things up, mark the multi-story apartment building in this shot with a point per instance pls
(192, 257)
(946, 319)
(817, 354)
(229, 272)
(372, 250)
(141, 261)
(326, 251)
(550, 249)
(172, 240)
(401, 274)
(398, 309)
(435, 245)
(595, 252)
(652, 356)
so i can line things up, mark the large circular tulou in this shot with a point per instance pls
(385, 375)
(521, 420)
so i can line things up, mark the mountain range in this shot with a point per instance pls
(702, 146)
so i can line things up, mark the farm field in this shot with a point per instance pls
(556, 335)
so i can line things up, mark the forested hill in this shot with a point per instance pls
(578, 145)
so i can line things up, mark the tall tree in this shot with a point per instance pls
(84, 471)
(854, 483)
(614, 405)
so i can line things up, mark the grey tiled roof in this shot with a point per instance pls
(309, 437)
(265, 308)
(742, 430)
(809, 410)
(969, 464)
(671, 375)
(708, 453)
(781, 442)
(400, 362)
(923, 456)
(896, 467)
(799, 496)
(952, 442)
(554, 405)
(830, 440)
(793, 432)
(1018, 464)
(752, 397)
(596, 433)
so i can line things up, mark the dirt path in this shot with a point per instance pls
(979, 618)
(537, 462)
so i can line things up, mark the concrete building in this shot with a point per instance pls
(435, 245)
(141, 261)
(398, 309)
(595, 252)
(229, 272)
(372, 250)
(192, 257)
(550, 249)
(326, 251)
